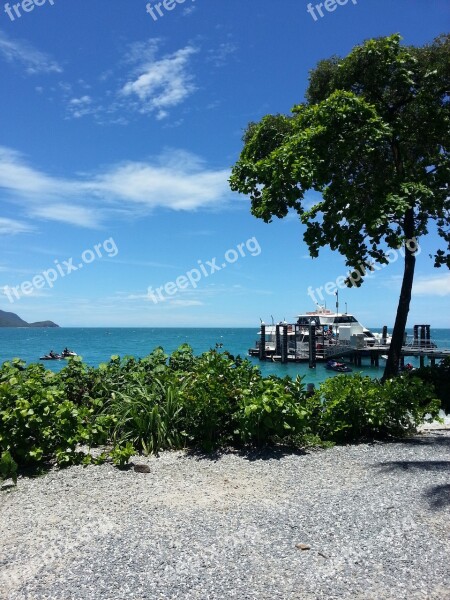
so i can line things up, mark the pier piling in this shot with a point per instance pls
(284, 345)
(262, 343)
(277, 340)
(312, 345)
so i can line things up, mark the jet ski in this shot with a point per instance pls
(66, 353)
(340, 367)
(51, 356)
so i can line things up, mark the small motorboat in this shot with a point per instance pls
(66, 353)
(340, 367)
(51, 356)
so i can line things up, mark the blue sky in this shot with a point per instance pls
(119, 130)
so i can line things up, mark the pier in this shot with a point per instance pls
(286, 343)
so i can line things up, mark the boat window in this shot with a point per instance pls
(345, 319)
(303, 321)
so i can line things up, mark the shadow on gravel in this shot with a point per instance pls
(422, 465)
(438, 496)
(425, 440)
(251, 454)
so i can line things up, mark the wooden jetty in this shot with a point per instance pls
(320, 348)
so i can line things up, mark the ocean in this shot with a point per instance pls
(97, 345)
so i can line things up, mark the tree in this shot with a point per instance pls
(373, 138)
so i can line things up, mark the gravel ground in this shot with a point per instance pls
(375, 518)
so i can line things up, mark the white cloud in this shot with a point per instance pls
(175, 180)
(34, 293)
(177, 302)
(218, 56)
(17, 176)
(12, 227)
(189, 10)
(162, 84)
(66, 213)
(34, 61)
(433, 285)
(148, 83)
(136, 297)
(179, 184)
(144, 263)
(79, 107)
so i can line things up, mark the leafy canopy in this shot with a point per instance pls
(373, 139)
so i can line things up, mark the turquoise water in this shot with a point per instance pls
(96, 345)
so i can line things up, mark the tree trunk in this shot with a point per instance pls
(393, 361)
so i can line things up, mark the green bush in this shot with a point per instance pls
(148, 417)
(271, 409)
(182, 359)
(8, 466)
(207, 401)
(439, 377)
(349, 408)
(37, 422)
(211, 398)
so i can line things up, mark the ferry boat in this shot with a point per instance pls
(333, 330)
(341, 325)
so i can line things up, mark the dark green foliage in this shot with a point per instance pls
(208, 401)
(37, 421)
(8, 466)
(439, 377)
(373, 139)
(212, 397)
(346, 409)
(149, 417)
(272, 408)
(182, 359)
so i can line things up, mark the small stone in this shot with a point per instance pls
(142, 468)
(302, 547)
(7, 484)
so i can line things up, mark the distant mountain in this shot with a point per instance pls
(9, 319)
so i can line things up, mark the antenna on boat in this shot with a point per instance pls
(260, 320)
(337, 301)
(272, 319)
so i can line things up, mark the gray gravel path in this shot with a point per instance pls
(376, 518)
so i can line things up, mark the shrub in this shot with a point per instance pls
(206, 401)
(37, 422)
(348, 408)
(439, 377)
(8, 466)
(182, 359)
(271, 409)
(148, 417)
(211, 398)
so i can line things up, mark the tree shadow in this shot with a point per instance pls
(428, 439)
(250, 453)
(438, 496)
(423, 465)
